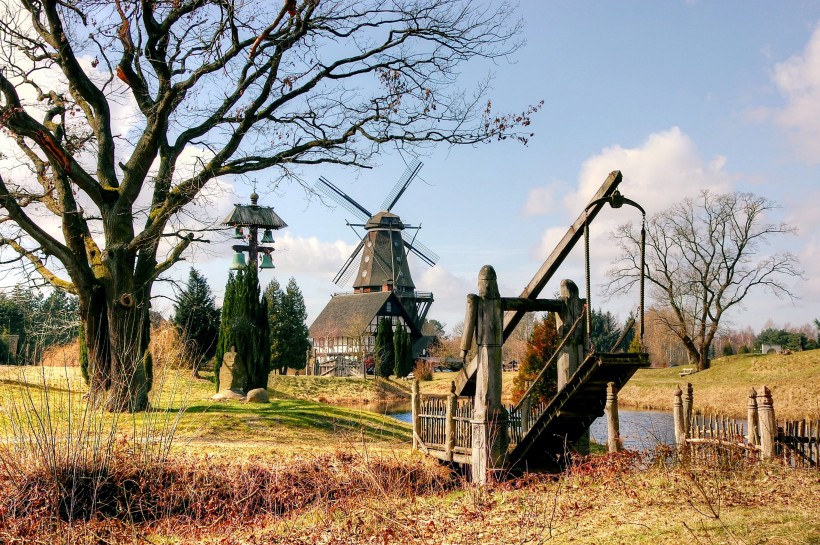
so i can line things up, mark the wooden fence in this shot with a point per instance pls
(796, 443)
(441, 425)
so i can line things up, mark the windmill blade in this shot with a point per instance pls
(343, 276)
(326, 187)
(426, 254)
(394, 195)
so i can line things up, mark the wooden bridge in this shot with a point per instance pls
(471, 426)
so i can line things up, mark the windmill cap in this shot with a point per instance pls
(384, 219)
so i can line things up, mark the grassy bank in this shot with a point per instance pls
(724, 388)
(300, 471)
(50, 399)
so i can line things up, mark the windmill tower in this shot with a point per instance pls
(379, 262)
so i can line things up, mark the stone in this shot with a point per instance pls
(232, 373)
(228, 395)
(258, 395)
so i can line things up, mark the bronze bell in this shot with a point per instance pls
(238, 261)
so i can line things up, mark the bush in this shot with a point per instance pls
(423, 371)
(727, 350)
(744, 350)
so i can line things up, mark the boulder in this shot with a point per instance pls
(223, 395)
(258, 395)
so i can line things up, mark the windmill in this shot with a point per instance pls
(379, 261)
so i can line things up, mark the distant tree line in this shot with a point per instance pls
(39, 321)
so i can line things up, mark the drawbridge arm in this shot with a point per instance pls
(465, 381)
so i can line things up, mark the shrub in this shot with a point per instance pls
(423, 371)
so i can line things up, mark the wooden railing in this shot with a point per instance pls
(441, 424)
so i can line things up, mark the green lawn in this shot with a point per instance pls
(724, 388)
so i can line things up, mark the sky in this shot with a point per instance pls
(679, 96)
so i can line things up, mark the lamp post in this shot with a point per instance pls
(253, 217)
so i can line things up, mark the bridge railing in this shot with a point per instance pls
(441, 423)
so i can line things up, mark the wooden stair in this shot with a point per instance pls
(546, 445)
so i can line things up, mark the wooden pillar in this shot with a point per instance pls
(767, 423)
(526, 407)
(449, 423)
(485, 318)
(612, 425)
(752, 426)
(678, 416)
(688, 399)
(415, 400)
(573, 352)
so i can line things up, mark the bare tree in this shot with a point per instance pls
(703, 257)
(98, 204)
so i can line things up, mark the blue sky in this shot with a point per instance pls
(679, 96)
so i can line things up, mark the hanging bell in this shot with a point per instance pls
(267, 262)
(238, 232)
(238, 261)
(267, 238)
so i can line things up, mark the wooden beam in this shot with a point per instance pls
(530, 305)
(465, 383)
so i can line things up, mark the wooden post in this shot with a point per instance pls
(449, 423)
(767, 423)
(415, 399)
(573, 352)
(688, 399)
(677, 415)
(752, 425)
(613, 428)
(526, 407)
(485, 318)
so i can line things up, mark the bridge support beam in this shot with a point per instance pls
(484, 319)
(572, 354)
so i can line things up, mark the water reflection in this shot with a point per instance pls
(640, 430)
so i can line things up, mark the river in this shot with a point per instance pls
(640, 430)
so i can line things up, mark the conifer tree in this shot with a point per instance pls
(250, 328)
(197, 317)
(289, 334)
(385, 356)
(403, 352)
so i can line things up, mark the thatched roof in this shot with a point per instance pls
(349, 314)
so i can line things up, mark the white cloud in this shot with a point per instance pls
(664, 170)
(798, 80)
(449, 292)
(310, 255)
(543, 199)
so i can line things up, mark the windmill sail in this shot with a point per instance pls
(342, 277)
(326, 187)
(398, 189)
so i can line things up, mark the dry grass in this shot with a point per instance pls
(354, 498)
(65, 355)
(794, 380)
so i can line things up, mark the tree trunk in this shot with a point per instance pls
(117, 332)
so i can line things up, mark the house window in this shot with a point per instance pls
(389, 307)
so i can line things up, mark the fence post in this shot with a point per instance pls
(415, 399)
(688, 399)
(613, 427)
(677, 416)
(753, 435)
(767, 423)
(449, 423)
(526, 407)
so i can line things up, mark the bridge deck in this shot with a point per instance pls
(573, 410)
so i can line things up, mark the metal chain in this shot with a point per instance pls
(643, 268)
(589, 289)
